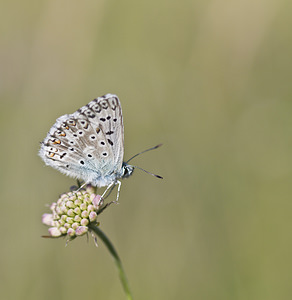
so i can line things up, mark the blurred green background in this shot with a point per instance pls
(211, 80)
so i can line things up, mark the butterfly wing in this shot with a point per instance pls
(88, 144)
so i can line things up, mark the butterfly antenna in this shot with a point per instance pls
(144, 152)
(158, 176)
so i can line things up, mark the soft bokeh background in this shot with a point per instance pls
(211, 80)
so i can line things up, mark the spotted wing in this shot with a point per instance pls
(88, 144)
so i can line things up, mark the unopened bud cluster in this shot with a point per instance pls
(72, 213)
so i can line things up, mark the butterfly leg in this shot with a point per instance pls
(75, 189)
(119, 188)
(108, 187)
(82, 186)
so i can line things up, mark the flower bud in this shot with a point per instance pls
(84, 222)
(67, 225)
(96, 201)
(81, 230)
(69, 220)
(54, 231)
(63, 230)
(71, 213)
(77, 218)
(75, 225)
(92, 216)
(71, 232)
(77, 210)
(77, 202)
(53, 205)
(84, 214)
(83, 206)
(47, 219)
(70, 204)
(90, 208)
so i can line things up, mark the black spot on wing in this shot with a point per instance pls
(109, 132)
(110, 142)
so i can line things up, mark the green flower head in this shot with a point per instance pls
(73, 212)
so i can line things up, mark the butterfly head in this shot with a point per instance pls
(127, 170)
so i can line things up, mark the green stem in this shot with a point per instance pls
(117, 260)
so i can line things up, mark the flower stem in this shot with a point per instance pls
(117, 260)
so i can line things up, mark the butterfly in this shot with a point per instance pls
(89, 144)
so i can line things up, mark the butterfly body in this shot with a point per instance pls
(89, 144)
